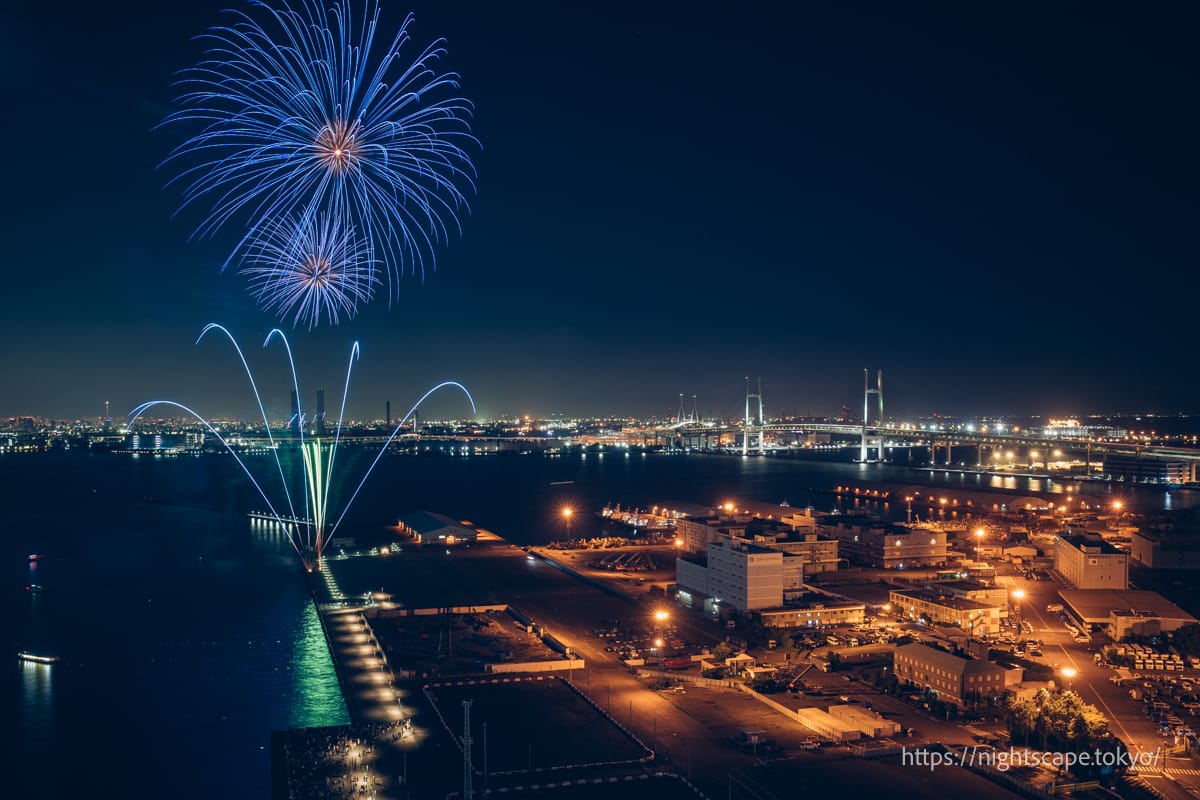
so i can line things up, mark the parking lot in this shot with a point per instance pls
(569, 731)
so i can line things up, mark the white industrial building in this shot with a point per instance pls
(739, 574)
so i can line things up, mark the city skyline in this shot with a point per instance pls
(991, 207)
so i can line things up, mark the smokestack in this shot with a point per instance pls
(388, 407)
(320, 412)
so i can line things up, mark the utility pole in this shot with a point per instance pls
(468, 793)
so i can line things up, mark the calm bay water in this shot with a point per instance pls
(187, 638)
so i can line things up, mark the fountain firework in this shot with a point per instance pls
(307, 534)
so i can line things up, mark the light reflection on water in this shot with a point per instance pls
(317, 699)
(37, 698)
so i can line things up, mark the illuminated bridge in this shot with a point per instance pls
(754, 434)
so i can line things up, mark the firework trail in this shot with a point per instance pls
(299, 111)
(307, 535)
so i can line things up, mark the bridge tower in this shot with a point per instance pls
(869, 440)
(749, 429)
(679, 416)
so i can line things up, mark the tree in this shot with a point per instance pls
(722, 651)
(1187, 639)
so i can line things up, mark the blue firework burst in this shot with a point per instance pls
(310, 269)
(303, 113)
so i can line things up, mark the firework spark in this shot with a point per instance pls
(310, 268)
(304, 113)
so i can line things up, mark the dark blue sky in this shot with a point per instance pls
(997, 206)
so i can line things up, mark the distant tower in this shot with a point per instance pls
(869, 441)
(294, 422)
(320, 412)
(416, 423)
(388, 410)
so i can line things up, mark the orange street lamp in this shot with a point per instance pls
(568, 514)
(1069, 673)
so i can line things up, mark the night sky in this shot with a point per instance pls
(996, 205)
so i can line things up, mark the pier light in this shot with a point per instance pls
(1117, 505)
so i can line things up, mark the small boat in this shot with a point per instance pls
(35, 587)
(37, 658)
(34, 556)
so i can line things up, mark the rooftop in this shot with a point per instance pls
(933, 655)
(961, 586)
(948, 601)
(427, 521)
(1095, 605)
(1091, 543)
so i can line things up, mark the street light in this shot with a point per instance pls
(568, 514)
(661, 615)
(979, 534)
(908, 499)
(1069, 673)
(1018, 595)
